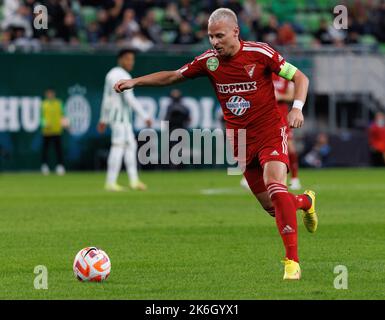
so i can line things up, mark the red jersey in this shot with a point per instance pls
(244, 87)
(377, 137)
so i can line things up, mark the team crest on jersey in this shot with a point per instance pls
(237, 105)
(250, 69)
(212, 63)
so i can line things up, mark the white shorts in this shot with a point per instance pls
(122, 134)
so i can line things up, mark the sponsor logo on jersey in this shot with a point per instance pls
(212, 63)
(237, 105)
(250, 69)
(237, 87)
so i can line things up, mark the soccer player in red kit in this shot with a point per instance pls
(377, 139)
(241, 74)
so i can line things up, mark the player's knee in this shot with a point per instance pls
(132, 145)
(271, 180)
(275, 172)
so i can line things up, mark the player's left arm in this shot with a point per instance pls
(134, 103)
(301, 84)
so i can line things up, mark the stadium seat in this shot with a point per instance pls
(305, 40)
(159, 14)
(311, 5)
(368, 40)
(284, 10)
(323, 5)
(168, 36)
(313, 22)
(83, 37)
(265, 4)
(382, 48)
(265, 18)
(301, 19)
(327, 16)
(89, 14)
(301, 5)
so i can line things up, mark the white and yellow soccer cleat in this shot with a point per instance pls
(309, 217)
(45, 169)
(60, 170)
(292, 270)
(113, 187)
(138, 185)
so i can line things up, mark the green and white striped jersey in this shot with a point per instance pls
(117, 107)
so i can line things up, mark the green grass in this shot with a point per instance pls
(175, 242)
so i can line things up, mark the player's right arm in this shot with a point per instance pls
(162, 78)
(190, 70)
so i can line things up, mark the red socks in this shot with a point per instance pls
(285, 205)
(301, 201)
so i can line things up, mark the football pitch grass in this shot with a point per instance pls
(192, 235)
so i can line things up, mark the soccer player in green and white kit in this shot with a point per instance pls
(116, 111)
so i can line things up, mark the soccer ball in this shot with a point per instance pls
(92, 264)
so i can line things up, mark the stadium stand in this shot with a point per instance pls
(155, 23)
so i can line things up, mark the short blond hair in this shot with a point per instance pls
(223, 13)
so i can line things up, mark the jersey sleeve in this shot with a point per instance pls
(273, 59)
(277, 64)
(193, 69)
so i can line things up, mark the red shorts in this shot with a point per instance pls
(273, 148)
(284, 111)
